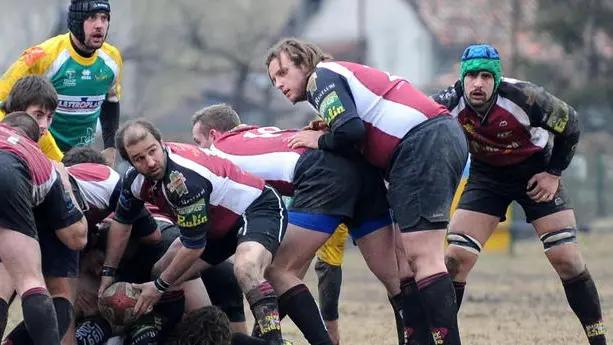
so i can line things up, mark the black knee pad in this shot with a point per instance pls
(64, 312)
(94, 330)
(558, 238)
(329, 279)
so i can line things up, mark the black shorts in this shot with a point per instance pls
(425, 171)
(224, 290)
(264, 222)
(57, 259)
(329, 184)
(16, 201)
(491, 189)
(137, 268)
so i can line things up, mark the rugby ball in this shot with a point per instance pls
(117, 303)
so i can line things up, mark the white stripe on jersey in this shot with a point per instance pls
(136, 186)
(273, 166)
(40, 192)
(226, 193)
(538, 136)
(98, 193)
(458, 109)
(59, 61)
(392, 118)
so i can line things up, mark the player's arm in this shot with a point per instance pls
(127, 211)
(559, 118)
(62, 212)
(449, 97)
(32, 61)
(110, 110)
(333, 100)
(193, 222)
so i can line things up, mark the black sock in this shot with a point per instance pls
(396, 302)
(439, 302)
(459, 288)
(302, 309)
(265, 308)
(583, 299)
(63, 311)
(39, 317)
(4, 315)
(416, 328)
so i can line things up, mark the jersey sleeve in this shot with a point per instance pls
(50, 148)
(57, 209)
(329, 93)
(114, 93)
(33, 60)
(193, 222)
(557, 117)
(129, 207)
(449, 97)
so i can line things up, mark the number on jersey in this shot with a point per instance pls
(263, 132)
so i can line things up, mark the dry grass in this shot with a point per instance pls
(509, 300)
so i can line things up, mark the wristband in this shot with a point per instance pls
(161, 285)
(108, 271)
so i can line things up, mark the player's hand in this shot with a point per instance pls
(149, 296)
(105, 282)
(543, 186)
(109, 156)
(317, 125)
(308, 139)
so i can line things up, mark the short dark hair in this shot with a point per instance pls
(219, 116)
(145, 126)
(24, 122)
(31, 90)
(205, 326)
(83, 154)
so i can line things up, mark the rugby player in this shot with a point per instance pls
(327, 190)
(219, 209)
(86, 73)
(398, 129)
(35, 193)
(521, 139)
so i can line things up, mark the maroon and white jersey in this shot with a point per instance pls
(518, 124)
(205, 193)
(263, 152)
(41, 169)
(389, 106)
(99, 186)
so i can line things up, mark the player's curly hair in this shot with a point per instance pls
(204, 326)
(302, 53)
(83, 154)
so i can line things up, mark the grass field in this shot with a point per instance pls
(509, 300)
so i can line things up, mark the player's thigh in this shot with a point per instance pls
(21, 257)
(6, 283)
(325, 183)
(549, 216)
(425, 172)
(196, 295)
(62, 287)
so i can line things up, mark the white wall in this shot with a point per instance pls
(397, 41)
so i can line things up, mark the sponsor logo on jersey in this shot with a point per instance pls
(70, 78)
(32, 55)
(86, 74)
(331, 106)
(192, 215)
(177, 184)
(79, 104)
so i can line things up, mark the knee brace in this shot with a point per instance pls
(559, 237)
(464, 241)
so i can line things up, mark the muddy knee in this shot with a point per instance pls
(248, 273)
(463, 251)
(453, 265)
